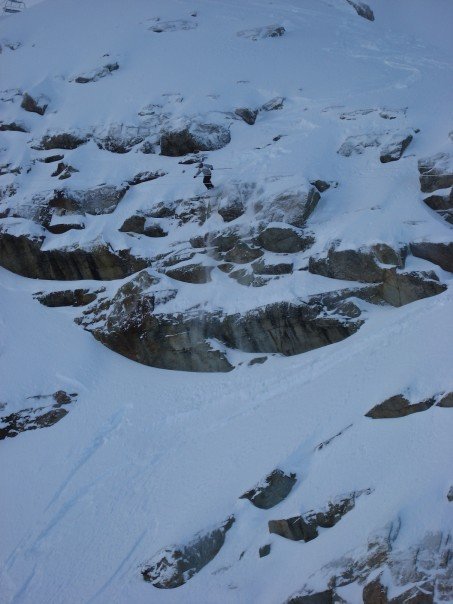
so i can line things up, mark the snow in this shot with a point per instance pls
(147, 458)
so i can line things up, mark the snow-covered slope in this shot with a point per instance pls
(311, 285)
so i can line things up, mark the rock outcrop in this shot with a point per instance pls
(362, 9)
(63, 140)
(37, 104)
(96, 74)
(24, 256)
(438, 253)
(175, 565)
(436, 172)
(67, 297)
(273, 490)
(52, 408)
(192, 138)
(398, 406)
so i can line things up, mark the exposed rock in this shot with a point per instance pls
(118, 140)
(442, 204)
(265, 550)
(63, 227)
(67, 297)
(322, 597)
(398, 406)
(400, 288)
(137, 224)
(97, 74)
(174, 566)
(274, 489)
(12, 127)
(31, 418)
(450, 494)
(242, 253)
(52, 158)
(99, 200)
(65, 140)
(247, 115)
(362, 9)
(446, 400)
(35, 105)
(436, 172)
(230, 209)
(320, 185)
(145, 177)
(261, 267)
(395, 149)
(292, 207)
(183, 340)
(64, 171)
(374, 592)
(257, 361)
(244, 276)
(274, 104)
(259, 33)
(24, 256)
(284, 240)
(191, 273)
(305, 528)
(193, 138)
(356, 145)
(438, 253)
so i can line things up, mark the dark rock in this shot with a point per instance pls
(191, 273)
(24, 256)
(362, 9)
(197, 137)
(305, 528)
(257, 361)
(450, 494)
(64, 140)
(398, 406)
(274, 104)
(223, 241)
(415, 595)
(295, 529)
(12, 127)
(99, 200)
(64, 171)
(67, 297)
(134, 224)
(35, 105)
(174, 566)
(349, 265)
(230, 209)
(265, 550)
(440, 203)
(395, 149)
(118, 141)
(274, 489)
(375, 593)
(261, 267)
(63, 227)
(322, 597)
(199, 241)
(248, 115)
(33, 418)
(145, 177)
(242, 253)
(321, 185)
(97, 74)
(438, 253)
(52, 158)
(154, 230)
(399, 289)
(446, 400)
(247, 278)
(284, 240)
(435, 172)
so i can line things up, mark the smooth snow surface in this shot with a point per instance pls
(147, 458)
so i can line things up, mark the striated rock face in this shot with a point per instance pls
(196, 137)
(131, 324)
(175, 565)
(25, 257)
(50, 410)
(273, 490)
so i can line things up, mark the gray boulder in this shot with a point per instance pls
(99, 200)
(284, 240)
(398, 406)
(395, 148)
(291, 207)
(191, 273)
(196, 137)
(247, 115)
(438, 253)
(274, 489)
(436, 172)
(400, 288)
(446, 400)
(175, 565)
(362, 9)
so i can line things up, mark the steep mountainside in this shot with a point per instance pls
(240, 393)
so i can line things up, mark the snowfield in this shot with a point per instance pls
(147, 458)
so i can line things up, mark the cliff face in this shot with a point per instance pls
(287, 327)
